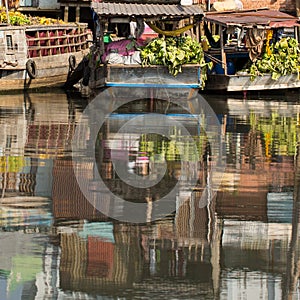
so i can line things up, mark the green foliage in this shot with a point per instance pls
(16, 18)
(284, 59)
(173, 52)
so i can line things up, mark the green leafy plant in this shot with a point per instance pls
(284, 59)
(174, 52)
(16, 18)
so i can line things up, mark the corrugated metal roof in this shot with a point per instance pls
(260, 17)
(145, 10)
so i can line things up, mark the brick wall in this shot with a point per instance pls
(283, 5)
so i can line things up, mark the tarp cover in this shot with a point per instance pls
(270, 18)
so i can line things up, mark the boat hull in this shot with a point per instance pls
(51, 71)
(134, 76)
(236, 83)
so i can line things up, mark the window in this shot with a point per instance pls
(28, 3)
(9, 42)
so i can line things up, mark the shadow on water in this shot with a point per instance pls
(243, 244)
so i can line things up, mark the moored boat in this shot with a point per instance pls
(118, 63)
(37, 56)
(245, 56)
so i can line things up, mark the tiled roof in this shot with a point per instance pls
(145, 10)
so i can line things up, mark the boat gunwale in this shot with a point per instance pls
(41, 27)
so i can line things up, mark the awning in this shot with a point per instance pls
(145, 10)
(270, 18)
(287, 24)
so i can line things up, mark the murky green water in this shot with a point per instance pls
(242, 243)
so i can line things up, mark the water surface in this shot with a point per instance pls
(244, 244)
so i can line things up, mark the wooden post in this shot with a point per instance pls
(298, 8)
(297, 4)
(77, 13)
(7, 13)
(223, 54)
(101, 37)
(66, 13)
(198, 33)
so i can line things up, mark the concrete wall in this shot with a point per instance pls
(41, 4)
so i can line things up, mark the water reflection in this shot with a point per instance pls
(56, 245)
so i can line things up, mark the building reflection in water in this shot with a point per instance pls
(56, 245)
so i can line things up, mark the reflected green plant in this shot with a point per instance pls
(279, 133)
(158, 148)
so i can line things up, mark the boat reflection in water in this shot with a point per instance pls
(56, 245)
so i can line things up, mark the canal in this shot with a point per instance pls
(154, 195)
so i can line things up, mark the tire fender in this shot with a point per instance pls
(31, 68)
(72, 62)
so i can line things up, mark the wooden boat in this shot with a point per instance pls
(134, 74)
(232, 51)
(40, 56)
(243, 82)
(117, 75)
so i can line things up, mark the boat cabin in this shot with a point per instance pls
(235, 29)
(14, 45)
(21, 43)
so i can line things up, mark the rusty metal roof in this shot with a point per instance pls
(145, 10)
(264, 17)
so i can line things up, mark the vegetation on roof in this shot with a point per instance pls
(16, 18)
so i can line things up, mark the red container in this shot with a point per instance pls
(42, 34)
(30, 41)
(44, 52)
(52, 40)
